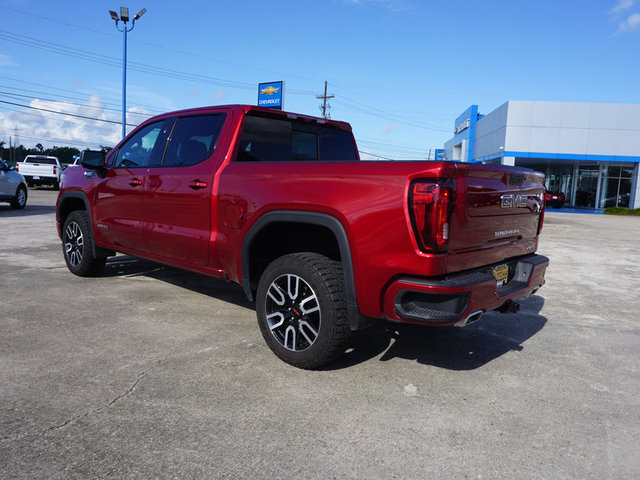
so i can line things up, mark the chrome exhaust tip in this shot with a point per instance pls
(471, 318)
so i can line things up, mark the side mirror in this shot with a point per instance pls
(94, 160)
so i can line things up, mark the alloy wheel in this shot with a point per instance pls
(292, 312)
(74, 243)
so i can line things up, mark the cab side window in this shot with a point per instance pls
(193, 140)
(138, 150)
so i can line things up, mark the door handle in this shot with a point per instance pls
(135, 182)
(197, 185)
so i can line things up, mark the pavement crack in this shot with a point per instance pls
(131, 388)
(74, 419)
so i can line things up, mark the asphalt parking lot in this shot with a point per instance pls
(150, 372)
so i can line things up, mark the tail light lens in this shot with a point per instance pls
(17, 169)
(430, 208)
(54, 170)
(541, 220)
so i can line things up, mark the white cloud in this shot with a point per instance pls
(389, 127)
(630, 23)
(5, 61)
(37, 125)
(621, 6)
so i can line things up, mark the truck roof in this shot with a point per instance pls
(262, 111)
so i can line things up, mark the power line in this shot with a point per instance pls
(68, 114)
(84, 105)
(140, 67)
(113, 101)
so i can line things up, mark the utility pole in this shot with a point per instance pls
(324, 101)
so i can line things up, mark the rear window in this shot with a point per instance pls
(40, 160)
(273, 140)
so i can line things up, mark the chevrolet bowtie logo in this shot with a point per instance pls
(270, 90)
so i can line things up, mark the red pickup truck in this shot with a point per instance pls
(325, 243)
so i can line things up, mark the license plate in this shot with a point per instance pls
(36, 178)
(501, 274)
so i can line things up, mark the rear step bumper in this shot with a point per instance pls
(463, 297)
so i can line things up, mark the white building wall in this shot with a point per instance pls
(573, 128)
(491, 131)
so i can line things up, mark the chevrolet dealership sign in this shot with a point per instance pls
(271, 95)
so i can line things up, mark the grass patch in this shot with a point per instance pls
(622, 211)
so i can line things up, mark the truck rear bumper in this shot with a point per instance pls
(462, 297)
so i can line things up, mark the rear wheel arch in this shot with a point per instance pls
(330, 240)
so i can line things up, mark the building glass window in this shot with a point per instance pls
(586, 186)
(615, 190)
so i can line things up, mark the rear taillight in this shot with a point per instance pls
(430, 208)
(54, 170)
(17, 169)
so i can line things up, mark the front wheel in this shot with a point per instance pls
(20, 198)
(77, 246)
(302, 310)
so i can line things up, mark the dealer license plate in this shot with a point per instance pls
(501, 274)
(36, 178)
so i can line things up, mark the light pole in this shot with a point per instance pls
(124, 17)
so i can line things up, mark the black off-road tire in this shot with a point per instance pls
(20, 199)
(77, 246)
(302, 310)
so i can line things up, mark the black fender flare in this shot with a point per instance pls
(97, 251)
(356, 319)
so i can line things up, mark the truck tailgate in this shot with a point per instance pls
(497, 210)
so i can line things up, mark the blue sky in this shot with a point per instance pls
(401, 70)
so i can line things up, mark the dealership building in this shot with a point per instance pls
(588, 151)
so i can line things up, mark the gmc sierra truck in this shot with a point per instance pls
(325, 243)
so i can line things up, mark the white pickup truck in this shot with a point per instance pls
(41, 170)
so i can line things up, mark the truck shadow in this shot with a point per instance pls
(452, 348)
(126, 266)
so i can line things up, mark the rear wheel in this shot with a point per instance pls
(77, 246)
(20, 198)
(302, 310)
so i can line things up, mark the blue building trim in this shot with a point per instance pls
(559, 156)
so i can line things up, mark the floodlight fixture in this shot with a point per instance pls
(139, 14)
(124, 14)
(114, 16)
